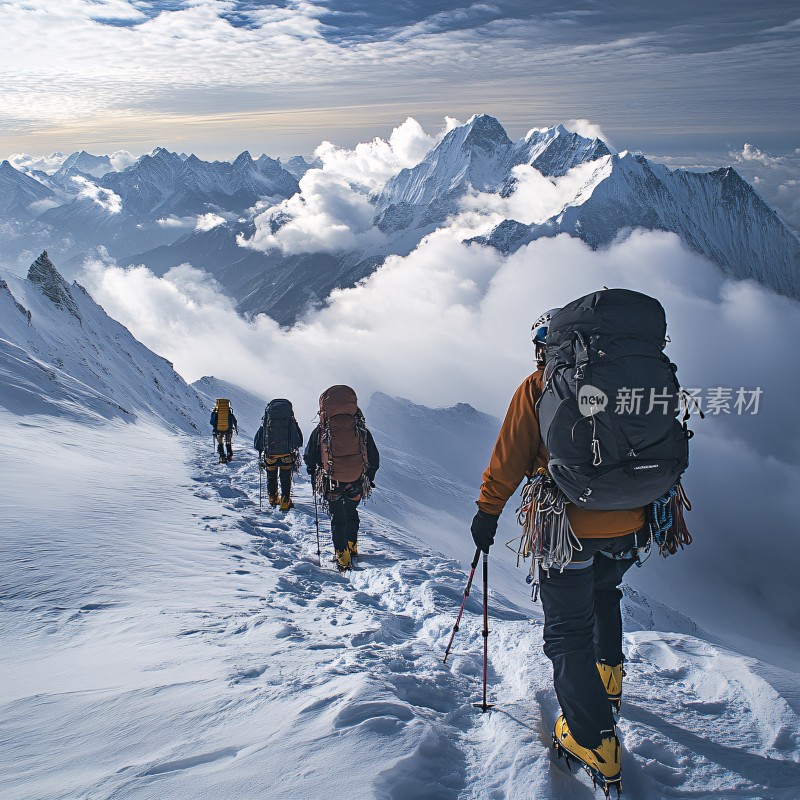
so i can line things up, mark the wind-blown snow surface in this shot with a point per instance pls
(166, 638)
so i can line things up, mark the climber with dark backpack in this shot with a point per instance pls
(596, 433)
(278, 441)
(223, 426)
(342, 460)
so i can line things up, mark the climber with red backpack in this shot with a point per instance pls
(342, 460)
(595, 432)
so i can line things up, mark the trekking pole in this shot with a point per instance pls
(259, 483)
(484, 706)
(463, 602)
(316, 520)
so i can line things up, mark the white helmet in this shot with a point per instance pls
(539, 328)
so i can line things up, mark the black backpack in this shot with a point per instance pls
(279, 431)
(610, 400)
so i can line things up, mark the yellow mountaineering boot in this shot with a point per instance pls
(286, 503)
(601, 763)
(273, 500)
(353, 548)
(343, 560)
(612, 680)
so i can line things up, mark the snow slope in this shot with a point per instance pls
(176, 641)
(164, 636)
(61, 354)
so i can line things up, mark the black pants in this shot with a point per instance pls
(282, 465)
(344, 515)
(583, 625)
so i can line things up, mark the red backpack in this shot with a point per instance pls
(343, 436)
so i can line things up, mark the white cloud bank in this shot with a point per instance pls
(206, 222)
(332, 211)
(105, 198)
(451, 322)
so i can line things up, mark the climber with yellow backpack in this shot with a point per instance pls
(223, 426)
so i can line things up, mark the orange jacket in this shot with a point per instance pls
(519, 452)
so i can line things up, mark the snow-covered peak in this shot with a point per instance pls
(244, 160)
(481, 131)
(555, 151)
(265, 163)
(471, 156)
(19, 193)
(477, 156)
(717, 214)
(162, 152)
(44, 274)
(86, 164)
(298, 166)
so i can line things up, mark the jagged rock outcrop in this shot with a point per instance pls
(43, 273)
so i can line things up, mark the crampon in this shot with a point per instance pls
(601, 763)
(606, 784)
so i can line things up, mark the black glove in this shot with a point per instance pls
(484, 527)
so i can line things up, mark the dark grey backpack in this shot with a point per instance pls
(280, 432)
(610, 401)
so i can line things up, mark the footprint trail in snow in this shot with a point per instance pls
(356, 660)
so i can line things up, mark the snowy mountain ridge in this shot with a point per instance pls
(157, 212)
(479, 156)
(151, 202)
(716, 214)
(61, 354)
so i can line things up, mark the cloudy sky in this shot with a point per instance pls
(218, 76)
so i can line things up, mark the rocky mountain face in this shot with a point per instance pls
(53, 286)
(717, 214)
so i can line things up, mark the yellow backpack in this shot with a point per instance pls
(222, 407)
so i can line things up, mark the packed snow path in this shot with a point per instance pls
(263, 675)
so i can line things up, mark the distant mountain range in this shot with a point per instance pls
(169, 208)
